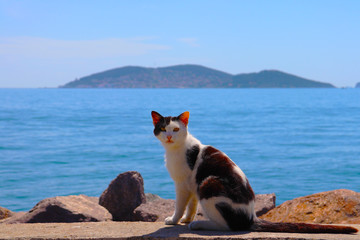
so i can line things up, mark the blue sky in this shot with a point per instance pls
(49, 43)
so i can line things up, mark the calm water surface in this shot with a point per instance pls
(292, 142)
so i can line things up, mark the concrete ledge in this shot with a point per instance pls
(141, 230)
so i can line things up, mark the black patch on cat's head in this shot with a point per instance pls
(162, 122)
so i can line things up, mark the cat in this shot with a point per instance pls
(205, 175)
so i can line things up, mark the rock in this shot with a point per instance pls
(156, 209)
(338, 206)
(151, 197)
(264, 203)
(64, 209)
(5, 213)
(123, 195)
(14, 218)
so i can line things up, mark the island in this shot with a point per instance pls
(190, 76)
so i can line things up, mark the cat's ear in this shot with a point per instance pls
(184, 117)
(156, 117)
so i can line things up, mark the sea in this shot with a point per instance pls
(59, 142)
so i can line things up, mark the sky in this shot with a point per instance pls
(50, 43)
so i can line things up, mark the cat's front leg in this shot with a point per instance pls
(190, 210)
(182, 199)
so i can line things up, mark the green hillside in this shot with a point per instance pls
(275, 79)
(190, 76)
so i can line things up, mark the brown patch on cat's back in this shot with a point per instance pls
(216, 176)
(210, 151)
(210, 187)
(214, 163)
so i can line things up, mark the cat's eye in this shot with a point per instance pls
(163, 129)
(176, 129)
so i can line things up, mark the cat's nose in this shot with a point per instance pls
(169, 137)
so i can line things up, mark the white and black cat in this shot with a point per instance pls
(205, 175)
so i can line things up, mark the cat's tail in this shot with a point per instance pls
(265, 226)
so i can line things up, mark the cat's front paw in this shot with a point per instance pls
(186, 219)
(170, 221)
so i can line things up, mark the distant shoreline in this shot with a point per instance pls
(190, 76)
(51, 88)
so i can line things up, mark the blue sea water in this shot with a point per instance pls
(291, 142)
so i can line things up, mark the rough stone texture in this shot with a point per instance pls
(157, 209)
(151, 197)
(338, 206)
(14, 218)
(64, 209)
(143, 231)
(123, 195)
(264, 203)
(5, 213)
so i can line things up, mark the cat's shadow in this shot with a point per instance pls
(178, 230)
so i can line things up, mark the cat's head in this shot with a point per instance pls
(171, 131)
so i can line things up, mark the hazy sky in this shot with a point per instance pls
(49, 43)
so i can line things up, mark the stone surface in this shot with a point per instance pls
(151, 197)
(14, 218)
(5, 213)
(264, 203)
(338, 206)
(123, 195)
(157, 209)
(143, 231)
(64, 209)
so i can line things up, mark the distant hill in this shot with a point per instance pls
(275, 79)
(190, 76)
(358, 85)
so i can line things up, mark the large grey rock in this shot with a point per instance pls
(64, 209)
(123, 195)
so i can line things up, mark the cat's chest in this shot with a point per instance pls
(177, 166)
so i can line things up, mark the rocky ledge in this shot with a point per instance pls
(125, 200)
(143, 231)
(338, 206)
